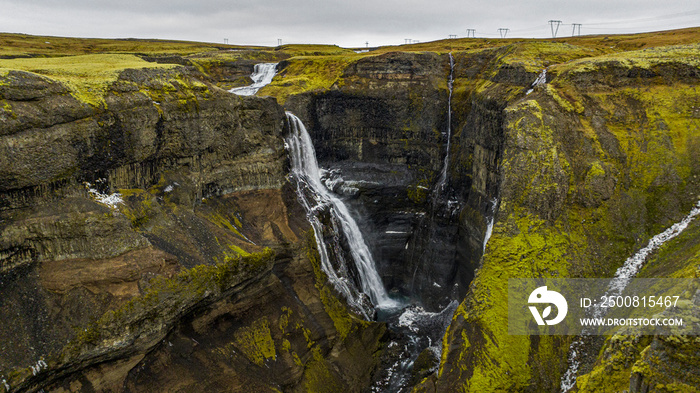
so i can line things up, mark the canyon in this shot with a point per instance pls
(153, 237)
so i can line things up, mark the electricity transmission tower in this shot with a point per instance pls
(503, 31)
(226, 41)
(453, 35)
(577, 26)
(279, 41)
(471, 32)
(551, 25)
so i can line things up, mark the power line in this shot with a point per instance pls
(655, 18)
(575, 26)
(551, 25)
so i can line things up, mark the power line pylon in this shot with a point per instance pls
(554, 30)
(577, 26)
(503, 31)
(471, 33)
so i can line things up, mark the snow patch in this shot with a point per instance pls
(110, 200)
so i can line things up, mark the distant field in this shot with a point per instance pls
(21, 45)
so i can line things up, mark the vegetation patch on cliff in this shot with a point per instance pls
(87, 76)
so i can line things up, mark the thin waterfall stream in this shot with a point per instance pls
(446, 163)
(623, 276)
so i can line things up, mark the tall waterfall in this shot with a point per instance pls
(316, 199)
(262, 76)
(623, 276)
(446, 162)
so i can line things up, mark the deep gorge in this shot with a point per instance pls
(207, 275)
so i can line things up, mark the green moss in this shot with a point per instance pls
(688, 54)
(342, 320)
(87, 76)
(42, 46)
(534, 55)
(308, 73)
(613, 370)
(255, 341)
(677, 258)
(314, 50)
(225, 222)
(164, 299)
(318, 376)
(418, 193)
(139, 207)
(569, 104)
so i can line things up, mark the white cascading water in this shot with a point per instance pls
(315, 197)
(541, 80)
(623, 276)
(262, 76)
(489, 223)
(443, 175)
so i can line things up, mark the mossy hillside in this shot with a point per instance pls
(256, 341)
(617, 358)
(566, 182)
(87, 76)
(650, 66)
(522, 245)
(678, 258)
(627, 42)
(621, 355)
(536, 55)
(23, 45)
(308, 73)
(669, 364)
(600, 44)
(313, 50)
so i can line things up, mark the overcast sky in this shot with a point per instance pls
(345, 23)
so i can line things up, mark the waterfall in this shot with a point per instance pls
(623, 276)
(489, 223)
(262, 76)
(446, 162)
(316, 198)
(541, 80)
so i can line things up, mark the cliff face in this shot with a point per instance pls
(594, 163)
(135, 226)
(150, 239)
(579, 173)
(381, 131)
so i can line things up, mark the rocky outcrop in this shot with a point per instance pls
(135, 233)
